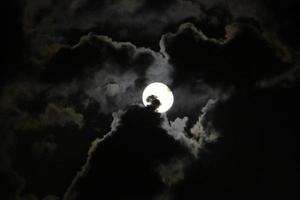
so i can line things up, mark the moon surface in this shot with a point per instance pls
(162, 93)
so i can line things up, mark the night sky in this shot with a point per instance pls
(73, 125)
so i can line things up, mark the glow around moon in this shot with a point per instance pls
(162, 93)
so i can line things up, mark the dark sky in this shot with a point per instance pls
(72, 123)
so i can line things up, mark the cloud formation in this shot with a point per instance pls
(150, 129)
(138, 131)
(230, 64)
(194, 55)
(71, 192)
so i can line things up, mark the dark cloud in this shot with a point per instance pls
(71, 192)
(73, 74)
(66, 21)
(286, 17)
(222, 62)
(33, 131)
(136, 149)
(46, 147)
(257, 153)
(125, 163)
(11, 181)
(140, 22)
(51, 197)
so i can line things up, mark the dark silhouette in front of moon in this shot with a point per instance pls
(154, 102)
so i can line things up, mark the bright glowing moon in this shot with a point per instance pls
(162, 93)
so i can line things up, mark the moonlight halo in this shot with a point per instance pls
(162, 92)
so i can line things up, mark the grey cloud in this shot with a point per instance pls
(19, 92)
(25, 90)
(61, 115)
(115, 91)
(110, 89)
(174, 171)
(112, 86)
(176, 129)
(202, 131)
(54, 115)
(160, 70)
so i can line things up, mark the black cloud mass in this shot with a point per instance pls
(72, 122)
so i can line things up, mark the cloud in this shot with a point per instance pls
(10, 180)
(146, 17)
(53, 115)
(198, 130)
(51, 26)
(202, 131)
(32, 131)
(114, 74)
(220, 62)
(71, 192)
(255, 135)
(111, 75)
(137, 151)
(28, 106)
(51, 197)
(82, 84)
(110, 72)
(44, 148)
(176, 130)
(61, 116)
(131, 141)
(199, 92)
(173, 172)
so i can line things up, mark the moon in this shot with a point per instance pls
(160, 92)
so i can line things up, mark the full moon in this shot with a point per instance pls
(160, 92)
